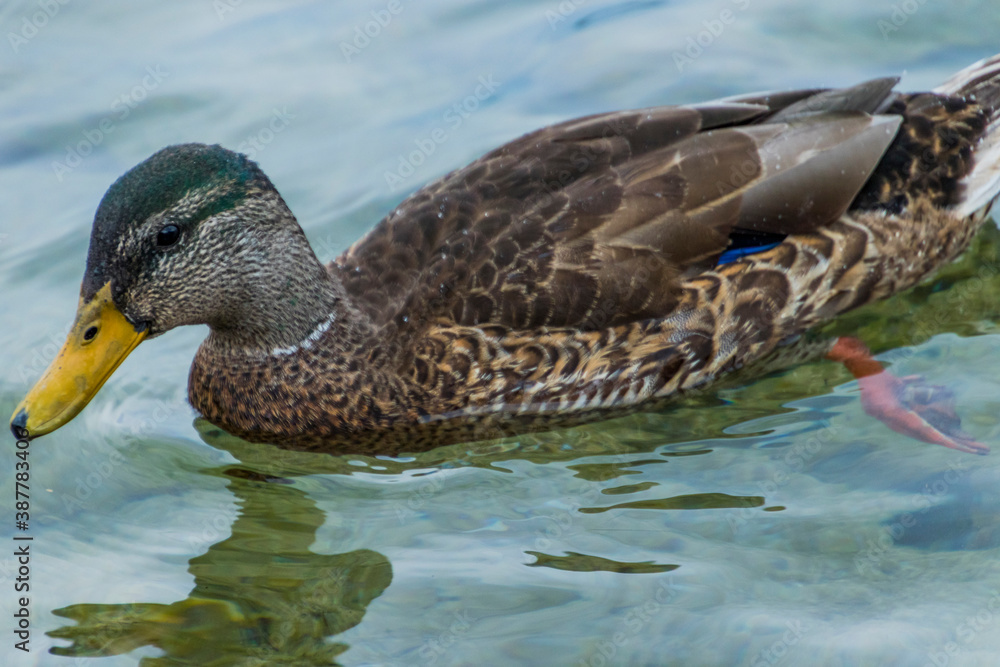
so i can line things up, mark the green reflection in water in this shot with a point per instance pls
(629, 488)
(599, 472)
(646, 432)
(577, 562)
(692, 501)
(261, 596)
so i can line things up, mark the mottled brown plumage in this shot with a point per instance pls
(572, 271)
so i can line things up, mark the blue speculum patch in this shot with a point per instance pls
(734, 254)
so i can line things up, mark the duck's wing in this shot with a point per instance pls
(592, 222)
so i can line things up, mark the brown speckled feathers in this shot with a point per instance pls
(595, 222)
(577, 268)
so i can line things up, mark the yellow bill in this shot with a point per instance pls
(99, 341)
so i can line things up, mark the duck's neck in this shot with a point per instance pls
(290, 299)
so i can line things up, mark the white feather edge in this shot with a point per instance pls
(987, 66)
(982, 185)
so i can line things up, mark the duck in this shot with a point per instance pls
(599, 264)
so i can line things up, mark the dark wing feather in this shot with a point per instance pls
(592, 222)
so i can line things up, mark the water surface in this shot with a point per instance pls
(770, 522)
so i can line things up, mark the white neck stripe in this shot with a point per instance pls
(317, 333)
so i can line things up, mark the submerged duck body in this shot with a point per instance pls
(595, 264)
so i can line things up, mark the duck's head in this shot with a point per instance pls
(196, 234)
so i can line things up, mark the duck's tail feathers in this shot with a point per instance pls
(980, 83)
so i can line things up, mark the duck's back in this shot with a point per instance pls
(596, 222)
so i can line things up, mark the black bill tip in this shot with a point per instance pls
(18, 423)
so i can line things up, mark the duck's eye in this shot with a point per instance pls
(168, 236)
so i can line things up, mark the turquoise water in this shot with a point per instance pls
(770, 523)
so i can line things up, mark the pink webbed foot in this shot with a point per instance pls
(906, 405)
